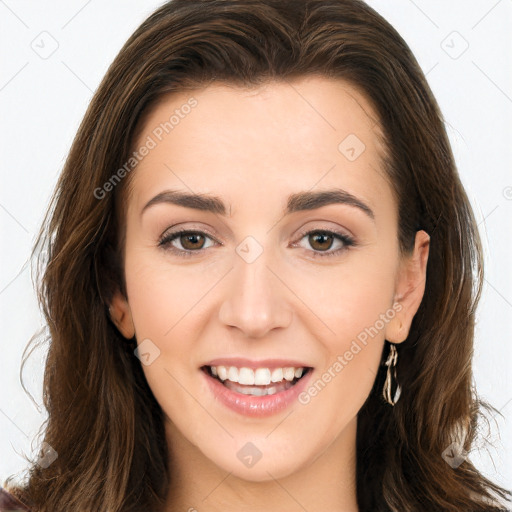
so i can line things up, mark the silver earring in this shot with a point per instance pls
(390, 376)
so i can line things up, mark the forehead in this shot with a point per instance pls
(257, 144)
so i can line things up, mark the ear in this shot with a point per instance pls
(121, 315)
(409, 289)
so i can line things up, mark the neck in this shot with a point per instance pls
(327, 483)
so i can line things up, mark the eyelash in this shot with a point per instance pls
(165, 242)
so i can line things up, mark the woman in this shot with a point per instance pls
(262, 276)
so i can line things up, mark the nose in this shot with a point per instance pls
(256, 299)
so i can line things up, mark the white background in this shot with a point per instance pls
(42, 101)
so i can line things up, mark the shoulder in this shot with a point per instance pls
(8, 503)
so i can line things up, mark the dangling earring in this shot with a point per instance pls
(390, 376)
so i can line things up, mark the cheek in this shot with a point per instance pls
(356, 303)
(163, 295)
(164, 302)
(350, 297)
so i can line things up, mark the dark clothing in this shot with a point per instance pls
(8, 503)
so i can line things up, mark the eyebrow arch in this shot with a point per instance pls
(297, 202)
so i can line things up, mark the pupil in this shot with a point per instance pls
(191, 238)
(324, 236)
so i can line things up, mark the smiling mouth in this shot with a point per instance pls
(258, 382)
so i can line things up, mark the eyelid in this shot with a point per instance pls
(168, 232)
(335, 231)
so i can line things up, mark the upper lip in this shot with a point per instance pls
(240, 362)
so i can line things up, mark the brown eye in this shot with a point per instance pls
(321, 241)
(192, 241)
(185, 242)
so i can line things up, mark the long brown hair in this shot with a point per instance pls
(104, 422)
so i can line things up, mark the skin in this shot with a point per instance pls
(252, 148)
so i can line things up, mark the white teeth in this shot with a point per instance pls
(258, 377)
(277, 375)
(222, 372)
(233, 374)
(245, 376)
(262, 377)
(289, 373)
(258, 391)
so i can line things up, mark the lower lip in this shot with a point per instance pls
(256, 406)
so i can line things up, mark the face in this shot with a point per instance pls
(261, 308)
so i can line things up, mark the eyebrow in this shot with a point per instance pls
(300, 201)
